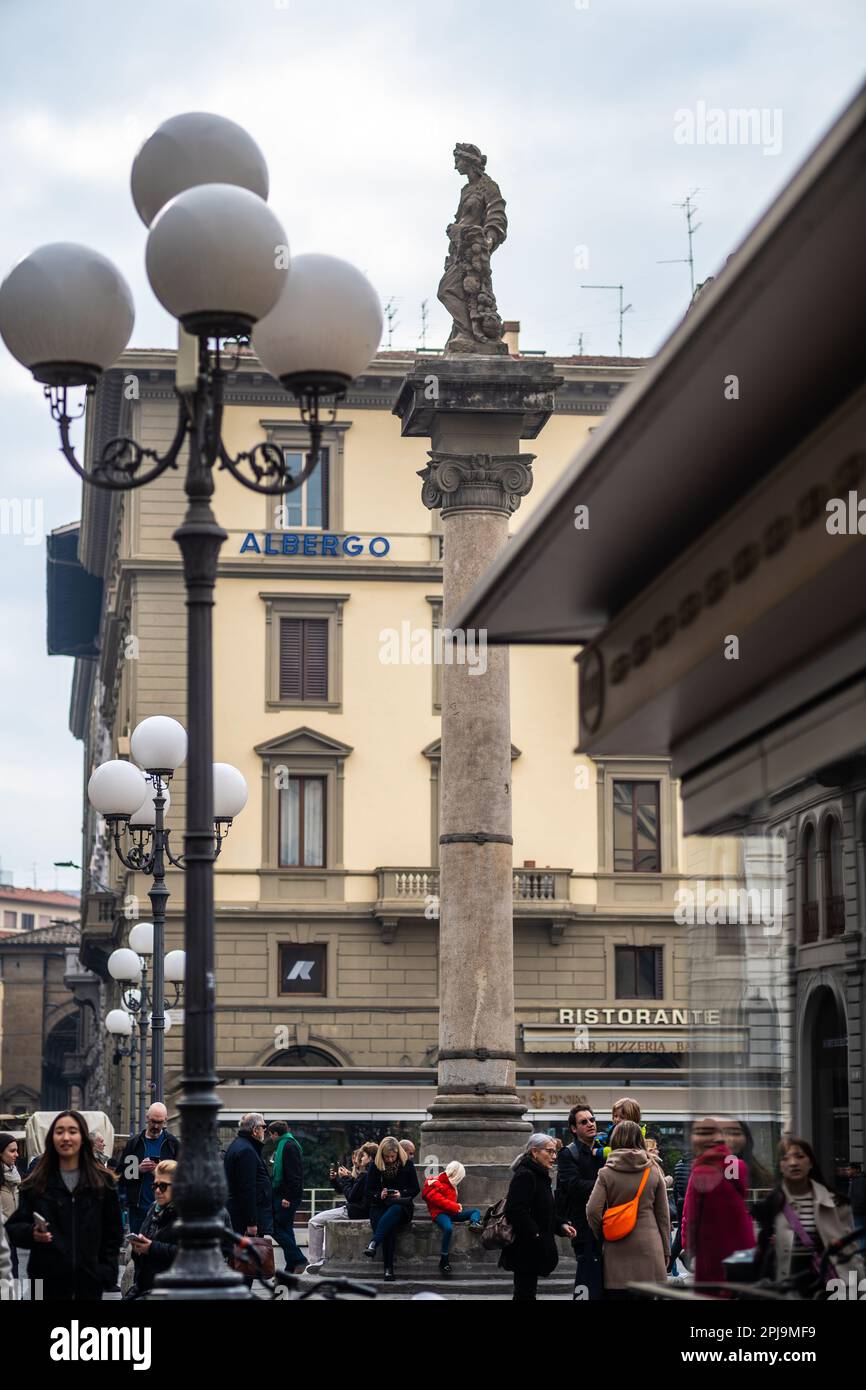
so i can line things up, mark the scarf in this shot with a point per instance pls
(278, 1157)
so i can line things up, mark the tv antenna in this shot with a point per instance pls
(391, 317)
(622, 311)
(688, 206)
(424, 317)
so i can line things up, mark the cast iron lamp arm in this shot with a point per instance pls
(117, 465)
(139, 859)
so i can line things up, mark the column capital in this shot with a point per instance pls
(476, 482)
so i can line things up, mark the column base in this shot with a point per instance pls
(484, 1133)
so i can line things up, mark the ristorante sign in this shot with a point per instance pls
(313, 543)
(616, 1028)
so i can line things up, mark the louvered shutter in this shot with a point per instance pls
(291, 658)
(659, 973)
(315, 659)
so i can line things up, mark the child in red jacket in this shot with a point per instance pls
(440, 1194)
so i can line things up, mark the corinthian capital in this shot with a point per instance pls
(476, 482)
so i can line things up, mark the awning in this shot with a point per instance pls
(74, 598)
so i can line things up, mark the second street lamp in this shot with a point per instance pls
(142, 844)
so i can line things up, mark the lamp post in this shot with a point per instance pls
(119, 1024)
(129, 966)
(218, 260)
(159, 745)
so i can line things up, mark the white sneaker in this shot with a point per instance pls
(314, 1269)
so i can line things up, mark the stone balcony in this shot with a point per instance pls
(413, 893)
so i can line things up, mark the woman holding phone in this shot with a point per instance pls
(392, 1186)
(68, 1216)
(155, 1245)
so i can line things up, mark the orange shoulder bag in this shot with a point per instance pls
(619, 1222)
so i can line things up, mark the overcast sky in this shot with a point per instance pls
(357, 108)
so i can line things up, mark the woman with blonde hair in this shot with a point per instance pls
(392, 1186)
(641, 1253)
(155, 1245)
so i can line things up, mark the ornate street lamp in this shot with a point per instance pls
(159, 745)
(129, 966)
(218, 260)
(119, 1024)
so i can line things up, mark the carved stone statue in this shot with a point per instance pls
(466, 288)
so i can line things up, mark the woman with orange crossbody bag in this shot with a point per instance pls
(628, 1211)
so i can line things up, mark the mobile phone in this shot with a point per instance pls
(39, 1222)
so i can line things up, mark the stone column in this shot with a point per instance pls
(475, 411)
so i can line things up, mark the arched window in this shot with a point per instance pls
(834, 899)
(302, 1057)
(809, 887)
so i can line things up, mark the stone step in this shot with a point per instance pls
(497, 1284)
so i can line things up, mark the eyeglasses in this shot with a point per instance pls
(161, 1186)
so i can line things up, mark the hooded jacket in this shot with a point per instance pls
(716, 1221)
(440, 1194)
(642, 1255)
(80, 1262)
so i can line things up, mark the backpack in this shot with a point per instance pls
(496, 1231)
(619, 1222)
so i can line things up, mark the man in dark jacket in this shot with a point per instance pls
(249, 1204)
(287, 1179)
(143, 1151)
(578, 1167)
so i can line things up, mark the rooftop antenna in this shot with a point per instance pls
(390, 315)
(424, 316)
(688, 206)
(622, 311)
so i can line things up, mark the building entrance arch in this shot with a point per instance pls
(826, 1045)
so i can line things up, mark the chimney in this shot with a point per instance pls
(511, 336)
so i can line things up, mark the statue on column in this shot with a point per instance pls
(466, 288)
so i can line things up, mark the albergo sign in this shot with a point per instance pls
(313, 543)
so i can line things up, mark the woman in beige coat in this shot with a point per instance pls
(641, 1256)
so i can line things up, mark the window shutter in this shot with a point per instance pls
(315, 659)
(659, 973)
(291, 647)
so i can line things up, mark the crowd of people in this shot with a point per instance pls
(628, 1221)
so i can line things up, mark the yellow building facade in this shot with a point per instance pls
(328, 641)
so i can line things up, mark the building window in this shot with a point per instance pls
(28, 921)
(317, 505)
(305, 509)
(303, 650)
(302, 823)
(810, 887)
(303, 659)
(302, 815)
(10, 919)
(834, 899)
(639, 973)
(303, 970)
(636, 827)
